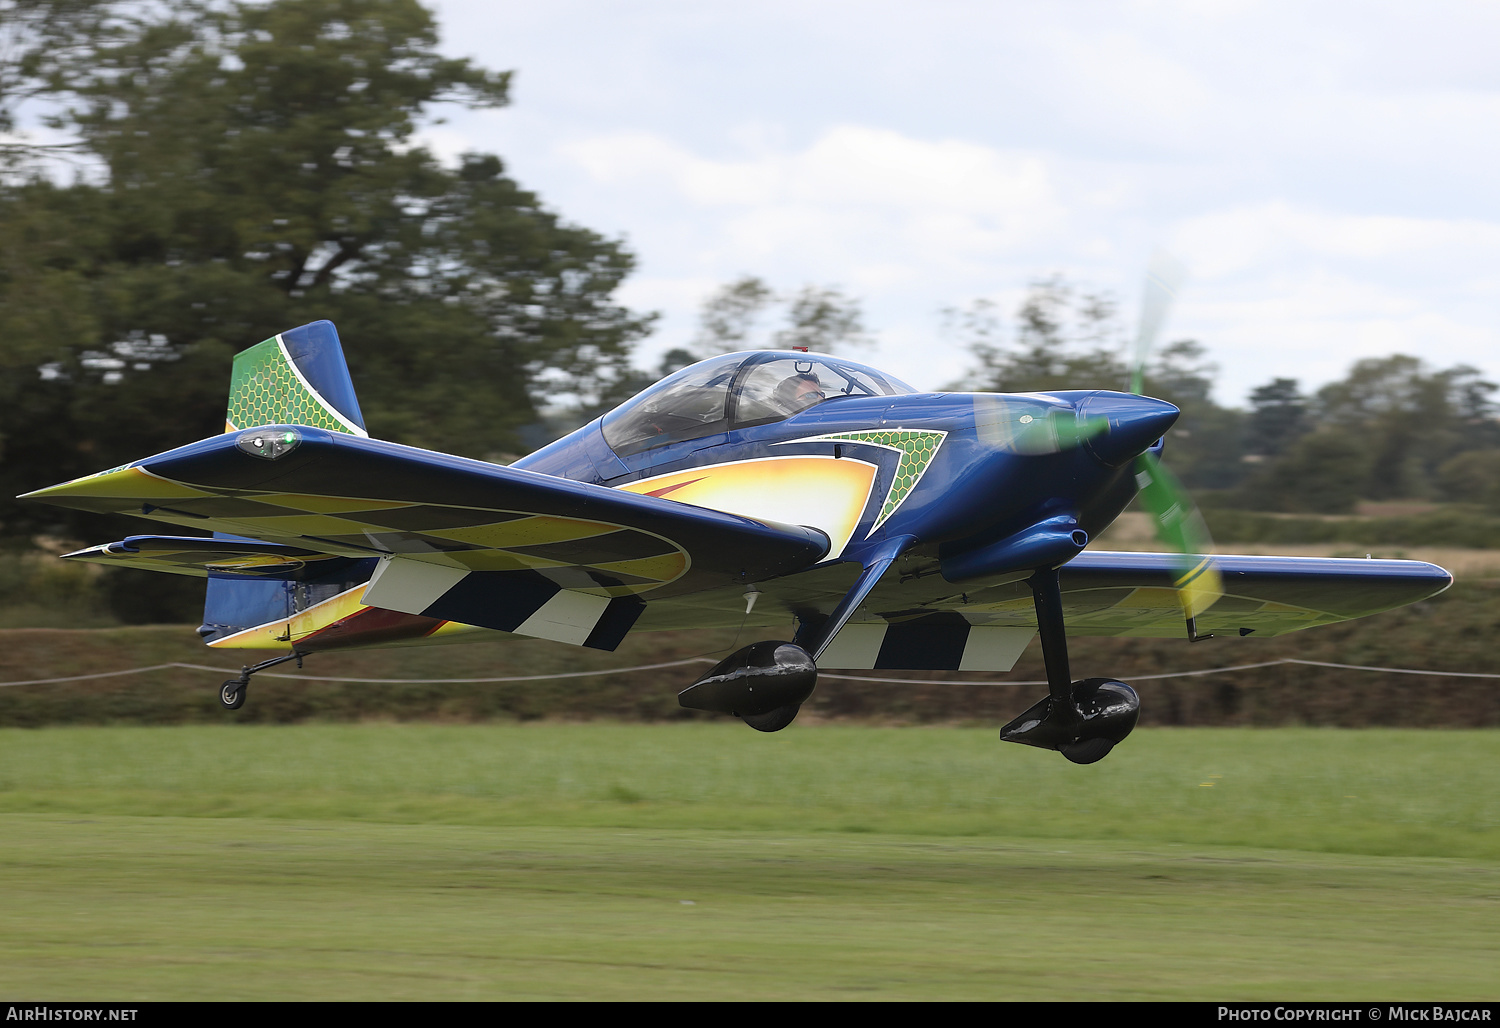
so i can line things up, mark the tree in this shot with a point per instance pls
(1410, 419)
(729, 314)
(1392, 428)
(260, 173)
(1324, 472)
(1472, 477)
(1206, 446)
(1278, 417)
(821, 318)
(824, 319)
(38, 38)
(1064, 339)
(1067, 338)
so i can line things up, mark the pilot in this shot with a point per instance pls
(798, 393)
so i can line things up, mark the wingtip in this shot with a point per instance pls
(72, 485)
(46, 491)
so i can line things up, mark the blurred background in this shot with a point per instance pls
(520, 214)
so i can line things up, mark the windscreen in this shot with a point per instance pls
(738, 389)
(779, 386)
(689, 404)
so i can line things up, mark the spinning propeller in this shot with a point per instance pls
(1032, 427)
(1179, 525)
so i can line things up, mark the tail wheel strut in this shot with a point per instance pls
(232, 692)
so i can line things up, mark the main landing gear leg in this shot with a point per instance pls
(232, 692)
(765, 684)
(1081, 720)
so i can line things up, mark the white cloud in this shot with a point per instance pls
(1308, 291)
(1312, 326)
(1276, 288)
(891, 217)
(444, 143)
(1262, 236)
(848, 166)
(1324, 170)
(856, 205)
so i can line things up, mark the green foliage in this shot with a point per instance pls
(1323, 472)
(729, 314)
(821, 318)
(39, 41)
(824, 319)
(37, 590)
(1472, 477)
(1391, 429)
(1278, 417)
(1409, 419)
(255, 171)
(1065, 338)
(1456, 527)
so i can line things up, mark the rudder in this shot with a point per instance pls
(296, 378)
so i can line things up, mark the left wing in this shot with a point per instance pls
(458, 539)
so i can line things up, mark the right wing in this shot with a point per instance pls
(914, 620)
(1132, 594)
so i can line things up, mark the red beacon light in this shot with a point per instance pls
(800, 349)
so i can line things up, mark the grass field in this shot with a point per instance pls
(545, 860)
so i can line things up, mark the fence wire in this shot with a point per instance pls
(708, 660)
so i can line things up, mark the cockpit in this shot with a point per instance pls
(738, 390)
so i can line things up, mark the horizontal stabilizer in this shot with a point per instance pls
(201, 557)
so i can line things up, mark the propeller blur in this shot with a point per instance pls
(1179, 525)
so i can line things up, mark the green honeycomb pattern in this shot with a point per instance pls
(263, 390)
(917, 450)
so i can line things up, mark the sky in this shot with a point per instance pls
(1327, 173)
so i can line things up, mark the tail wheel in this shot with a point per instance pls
(232, 693)
(772, 721)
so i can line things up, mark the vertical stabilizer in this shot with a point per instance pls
(296, 378)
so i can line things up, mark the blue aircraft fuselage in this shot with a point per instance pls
(981, 484)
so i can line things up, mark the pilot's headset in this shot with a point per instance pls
(792, 396)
